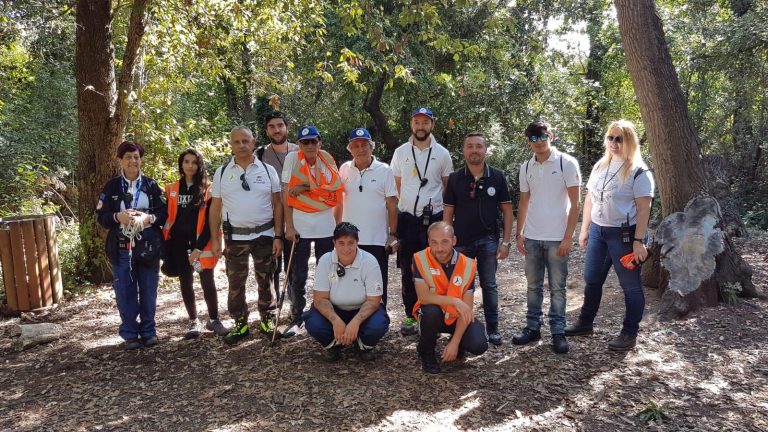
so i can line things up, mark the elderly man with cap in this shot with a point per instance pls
(421, 167)
(311, 189)
(370, 200)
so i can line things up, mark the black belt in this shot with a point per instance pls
(254, 230)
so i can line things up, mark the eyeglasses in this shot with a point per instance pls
(309, 142)
(617, 139)
(340, 270)
(542, 138)
(244, 183)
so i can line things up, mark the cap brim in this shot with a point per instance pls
(309, 137)
(423, 114)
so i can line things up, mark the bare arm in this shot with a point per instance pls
(445, 182)
(277, 213)
(392, 220)
(321, 300)
(573, 219)
(397, 185)
(586, 220)
(522, 214)
(643, 205)
(338, 211)
(214, 224)
(508, 217)
(448, 211)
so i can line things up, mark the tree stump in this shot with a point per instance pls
(36, 334)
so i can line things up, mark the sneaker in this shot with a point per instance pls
(622, 343)
(294, 328)
(493, 335)
(195, 327)
(364, 353)
(149, 343)
(333, 354)
(239, 331)
(216, 327)
(525, 336)
(578, 329)
(559, 344)
(132, 344)
(267, 324)
(409, 327)
(429, 364)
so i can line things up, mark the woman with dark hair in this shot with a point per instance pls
(188, 240)
(346, 307)
(131, 207)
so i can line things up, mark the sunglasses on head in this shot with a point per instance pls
(340, 270)
(542, 138)
(618, 139)
(244, 183)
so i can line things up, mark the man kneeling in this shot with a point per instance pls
(445, 286)
(346, 308)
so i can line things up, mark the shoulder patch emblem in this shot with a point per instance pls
(458, 280)
(99, 205)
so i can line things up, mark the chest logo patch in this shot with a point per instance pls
(458, 280)
(491, 191)
(434, 271)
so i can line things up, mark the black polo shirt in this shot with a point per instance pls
(476, 215)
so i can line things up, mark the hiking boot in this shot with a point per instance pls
(132, 344)
(409, 327)
(579, 329)
(216, 327)
(622, 343)
(493, 335)
(239, 331)
(149, 343)
(267, 324)
(525, 336)
(559, 344)
(194, 329)
(333, 354)
(429, 364)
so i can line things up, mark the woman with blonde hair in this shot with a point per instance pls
(615, 222)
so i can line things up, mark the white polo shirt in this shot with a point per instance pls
(549, 204)
(367, 208)
(361, 279)
(309, 225)
(404, 166)
(246, 209)
(613, 198)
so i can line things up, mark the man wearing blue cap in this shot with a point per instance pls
(421, 167)
(311, 189)
(370, 200)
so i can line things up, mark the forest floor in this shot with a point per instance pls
(706, 373)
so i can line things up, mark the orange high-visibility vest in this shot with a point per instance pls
(207, 259)
(321, 195)
(437, 281)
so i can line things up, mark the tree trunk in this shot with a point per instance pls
(372, 105)
(674, 144)
(102, 110)
(592, 139)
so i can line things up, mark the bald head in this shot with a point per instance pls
(441, 227)
(441, 241)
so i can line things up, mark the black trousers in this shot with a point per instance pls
(432, 323)
(413, 238)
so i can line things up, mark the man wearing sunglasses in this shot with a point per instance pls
(311, 189)
(246, 194)
(547, 217)
(421, 167)
(473, 198)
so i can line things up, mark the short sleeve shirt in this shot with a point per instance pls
(277, 160)
(476, 203)
(365, 199)
(411, 170)
(613, 198)
(309, 225)
(361, 279)
(246, 208)
(549, 204)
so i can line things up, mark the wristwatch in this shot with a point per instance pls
(507, 245)
(640, 240)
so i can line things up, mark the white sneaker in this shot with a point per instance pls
(194, 329)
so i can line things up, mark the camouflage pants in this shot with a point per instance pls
(237, 253)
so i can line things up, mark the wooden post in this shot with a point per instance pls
(8, 271)
(19, 270)
(43, 268)
(53, 260)
(30, 259)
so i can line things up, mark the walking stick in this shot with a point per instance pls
(281, 297)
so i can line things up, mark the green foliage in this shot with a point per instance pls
(653, 412)
(72, 266)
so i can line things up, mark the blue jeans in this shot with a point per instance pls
(484, 250)
(135, 288)
(543, 255)
(371, 330)
(300, 268)
(605, 249)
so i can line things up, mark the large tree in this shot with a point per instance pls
(674, 146)
(102, 111)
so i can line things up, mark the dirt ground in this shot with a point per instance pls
(706, 373)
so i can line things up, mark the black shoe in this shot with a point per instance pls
(493, 335)
(132, 344)
(578, 329)
(559, 344)
(364, 353)
(525, 336)
(622, 343)
(149, 343)
(239, 331)
(409, 327)
(333, 353)
(429, 364)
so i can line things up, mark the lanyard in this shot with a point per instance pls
(607, 179)
(422, 180)
(128, 192)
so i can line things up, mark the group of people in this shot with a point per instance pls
(445, 226)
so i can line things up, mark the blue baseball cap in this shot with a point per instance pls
(308, 132)
(359, 133)
(425, 111)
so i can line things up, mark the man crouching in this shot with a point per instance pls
(445, 286)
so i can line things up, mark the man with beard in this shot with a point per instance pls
(421, 167)
(474, 195)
